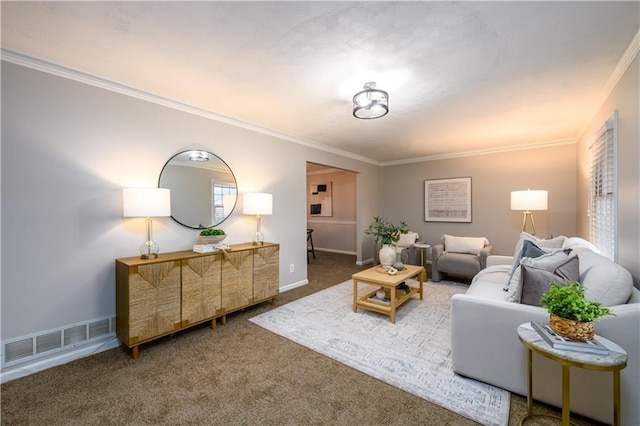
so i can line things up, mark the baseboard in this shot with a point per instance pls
(293, 285)
(60, 358)
(352, 253)
(365, 262)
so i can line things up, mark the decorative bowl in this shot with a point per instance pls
(210, 239)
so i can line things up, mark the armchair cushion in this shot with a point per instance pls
(407, 239)
(471, 245)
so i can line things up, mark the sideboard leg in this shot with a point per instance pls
(135, 352)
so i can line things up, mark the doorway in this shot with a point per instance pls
(331, 209)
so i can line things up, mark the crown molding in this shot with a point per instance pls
(481, 152)
(82, 77)
(623, 64)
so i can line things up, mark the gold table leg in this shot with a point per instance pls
(616, 398)
(566, 403)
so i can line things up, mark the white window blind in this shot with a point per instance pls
(220, 191)
(603, 211)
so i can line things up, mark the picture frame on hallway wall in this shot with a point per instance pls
(321, 199)
(447, 200)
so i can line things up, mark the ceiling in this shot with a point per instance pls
(461, 76)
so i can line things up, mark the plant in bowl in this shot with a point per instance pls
(211, 236)
(386, 233)
(571, 315)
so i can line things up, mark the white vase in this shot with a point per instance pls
(387, 255)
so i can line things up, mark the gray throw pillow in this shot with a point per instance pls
(529, 249)
(536, 281)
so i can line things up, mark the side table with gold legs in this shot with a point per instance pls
(614, 362)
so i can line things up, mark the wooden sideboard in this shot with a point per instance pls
(158, 297)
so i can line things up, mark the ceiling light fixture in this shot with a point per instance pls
(371, 102)
(198, 156)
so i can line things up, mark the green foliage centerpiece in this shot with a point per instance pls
(571, 315)
(211, 236)
(386, 233)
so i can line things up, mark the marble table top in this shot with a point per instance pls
(616, 359)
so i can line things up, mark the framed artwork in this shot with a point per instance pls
(321, 198)
(447, 200)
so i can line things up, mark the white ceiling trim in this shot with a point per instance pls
(79, 76)
(481, 152)
(623, 64)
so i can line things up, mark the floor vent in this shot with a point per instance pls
(45, 343)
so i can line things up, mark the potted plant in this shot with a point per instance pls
(571, 315)
(211, 236)
(386, 233)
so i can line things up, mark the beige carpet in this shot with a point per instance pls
(238, 374)
(414, 354)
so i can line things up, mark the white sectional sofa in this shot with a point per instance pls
(485, 345)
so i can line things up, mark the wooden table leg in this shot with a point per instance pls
(566, 403)
(355, 295)
(135, 352)
(392, 294)
(421, 278)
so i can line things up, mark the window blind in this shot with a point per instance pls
(603, 211)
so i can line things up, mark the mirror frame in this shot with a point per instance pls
(210, 155)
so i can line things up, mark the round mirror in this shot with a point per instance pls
(203, 188)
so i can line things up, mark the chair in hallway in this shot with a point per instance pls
(310, 248)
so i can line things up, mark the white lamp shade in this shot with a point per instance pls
(257, 203)
(146, 202)
(529, 200)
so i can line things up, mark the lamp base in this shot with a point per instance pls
(149, 250)
(258, 239)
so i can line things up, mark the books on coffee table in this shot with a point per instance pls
(556, 341)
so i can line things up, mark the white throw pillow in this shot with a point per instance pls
(471, 245)
(407, 239)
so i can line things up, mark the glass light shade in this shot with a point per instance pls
(370, 103)
(529, 200)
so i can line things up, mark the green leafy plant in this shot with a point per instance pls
(211, 231)
(568, 302)
(385, 232)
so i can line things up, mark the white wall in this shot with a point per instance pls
(625, 98)
(69, 148)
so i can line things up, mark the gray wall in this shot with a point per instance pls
(625, 98)
(493, 177)
(68, 149)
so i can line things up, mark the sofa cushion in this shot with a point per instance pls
(459, 264)
(547, 261)
(536, 280)
(605, 281)
(577, 243)
(471, 245)
(407, 239)
(549, 243)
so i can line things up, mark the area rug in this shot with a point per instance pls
(414, 354)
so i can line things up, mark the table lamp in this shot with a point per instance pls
(257, 204)
(527, 201)
(147, 202)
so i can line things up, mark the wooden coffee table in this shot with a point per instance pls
(377, 276)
